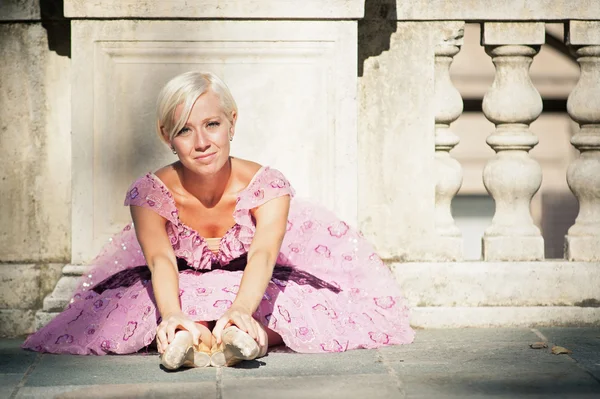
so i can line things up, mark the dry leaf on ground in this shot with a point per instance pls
(559, 350)
(538, 345)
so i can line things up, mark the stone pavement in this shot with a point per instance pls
(453, 363)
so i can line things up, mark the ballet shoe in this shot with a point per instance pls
(181, 352)
(202, 355)
(236, 345)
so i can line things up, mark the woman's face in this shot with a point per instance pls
(202, 145)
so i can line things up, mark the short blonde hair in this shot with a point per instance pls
(185, 89)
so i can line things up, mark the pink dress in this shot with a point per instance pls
(330, 292)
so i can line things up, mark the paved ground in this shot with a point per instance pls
(459, 363)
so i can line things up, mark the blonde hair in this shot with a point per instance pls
(185, 89)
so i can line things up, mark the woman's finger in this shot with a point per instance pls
(252, 330)
(192, 327)
(171, 332)
(240, 323)
(161, 339)
(206, 336)
(262, 337)
(219, 326)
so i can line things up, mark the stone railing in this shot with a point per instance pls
(359, 93)
(513, 177)
(513, 285)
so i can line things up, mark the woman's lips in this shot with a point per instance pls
(204, 157)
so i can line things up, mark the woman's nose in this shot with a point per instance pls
(201, 143)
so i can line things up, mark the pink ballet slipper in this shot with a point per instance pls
(181, 353)
(236, 346)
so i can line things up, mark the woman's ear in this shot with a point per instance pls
(231, 132)
(163, 133)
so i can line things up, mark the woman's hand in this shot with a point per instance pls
(165, 332)
(242, 319)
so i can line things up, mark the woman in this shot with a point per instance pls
(227, 262)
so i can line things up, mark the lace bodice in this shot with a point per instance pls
(150, 192)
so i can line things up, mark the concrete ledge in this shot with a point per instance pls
(518, 284)
(43, 317)
(501, 10)
(23, 286)
(19, 286)
(204, 9)
(462, 317)
(583, 248)
(15, 322)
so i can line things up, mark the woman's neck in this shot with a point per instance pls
(207, 189)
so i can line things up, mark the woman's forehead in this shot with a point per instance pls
(206, 105)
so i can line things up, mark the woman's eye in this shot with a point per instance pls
(213, 124)
(184, 131)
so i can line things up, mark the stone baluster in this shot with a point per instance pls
(512, 177)
(582, 242)
(448, 107)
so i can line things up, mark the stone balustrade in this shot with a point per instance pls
(513, 177)
(359, 93)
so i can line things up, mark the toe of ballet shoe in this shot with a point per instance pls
(217, 359)
(176, 358)
(202, 359)
(223, 359)
(179, 353)
(240, 344)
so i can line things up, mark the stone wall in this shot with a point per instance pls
(35, 167)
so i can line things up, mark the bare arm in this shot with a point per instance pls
(150, 229)
(152, 235)
(271, 223)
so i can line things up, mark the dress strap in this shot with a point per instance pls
(265, 186)
(149, 192)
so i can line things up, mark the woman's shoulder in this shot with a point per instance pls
(151, 191)
(245, 170)
(168, 175)
(262, 183)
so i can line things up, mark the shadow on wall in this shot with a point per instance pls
(559, 210)
(375, 29)
(57, 26)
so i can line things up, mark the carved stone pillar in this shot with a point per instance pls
(583, 239)
(448, 107)
(512, 177)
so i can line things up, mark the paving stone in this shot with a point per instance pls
(8, 382)
(95, 370)
(300, 364)
(584, 342)
(199, 390)
(467, 347)
(314, 387)
(539, 384)
(13, 359)
(469, 357)
(468, 363)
